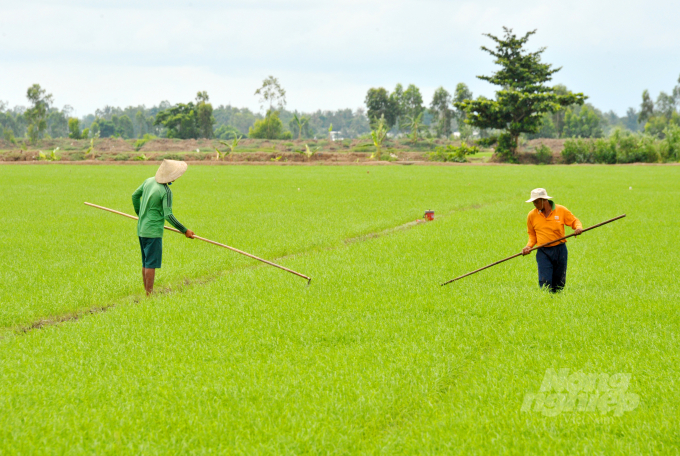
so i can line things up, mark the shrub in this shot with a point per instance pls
(543, 155)
(77, 156)
(670, 146)
(140, 142)
(604, 151)
(577, 151)
(270, 127)
(505, 150)
(620, 147)
(635, 148)
(453, 154)
(487, 142)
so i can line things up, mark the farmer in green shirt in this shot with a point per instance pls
(153, 204)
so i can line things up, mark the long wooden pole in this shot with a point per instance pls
(309, 279)
(537, 247)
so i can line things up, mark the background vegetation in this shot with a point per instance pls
(525, 107)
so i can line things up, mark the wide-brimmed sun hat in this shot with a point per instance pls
(170, 170)
(538, 193)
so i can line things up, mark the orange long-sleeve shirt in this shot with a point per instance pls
(542, 229)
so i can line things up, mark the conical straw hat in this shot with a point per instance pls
(170, 170)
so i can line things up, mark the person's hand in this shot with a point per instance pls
(190, 234)
(526, 250)
(578, 231)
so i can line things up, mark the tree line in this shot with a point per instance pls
(525, 105)
(194, 119)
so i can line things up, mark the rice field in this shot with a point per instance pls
(374, 357)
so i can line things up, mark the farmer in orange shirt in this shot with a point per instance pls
(544, 224)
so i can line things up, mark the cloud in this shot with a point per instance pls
(327, 54)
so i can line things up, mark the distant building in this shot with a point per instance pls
(335, 136)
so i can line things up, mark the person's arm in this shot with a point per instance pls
(168, 215)
(573, 222)
(532, 236)
(137, 198)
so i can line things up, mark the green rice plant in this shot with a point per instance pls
(141, 157)
(373, 357)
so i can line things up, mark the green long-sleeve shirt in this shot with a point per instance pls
(153, 205)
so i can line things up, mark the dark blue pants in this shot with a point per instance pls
(552, 267)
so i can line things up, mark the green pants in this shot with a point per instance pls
(152, 252)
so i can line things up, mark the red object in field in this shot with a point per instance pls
(429, 215)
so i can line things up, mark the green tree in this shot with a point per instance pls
(107, 128)
(461, 94)
(57, 123)
(378, 136)
(646, 108)
(523, 96)
(142, 124)
(413, 102)
(416, 127)
(227, 132)
(204, 112)
(399, 104)
(180, 120)
(582, 123)
(301, 123)
(547, 130)
(631, 120)
(441, 100)
(74, 128)
(123, 126)
(271, 93)
(37, 113)
(665, 105)
(656, 125)
(380, 105)
(270, 127)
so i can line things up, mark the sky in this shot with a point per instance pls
(326, 55)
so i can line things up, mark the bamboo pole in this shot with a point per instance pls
(537, 247)
(309, 279)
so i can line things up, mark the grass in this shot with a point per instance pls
(374, 356)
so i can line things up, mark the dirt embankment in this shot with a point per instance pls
(248, 150)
